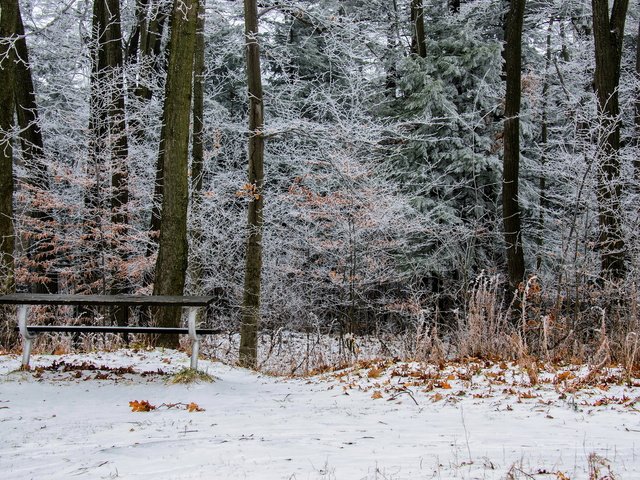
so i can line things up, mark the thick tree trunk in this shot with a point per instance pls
(40, 249)
(8, 22)
(171, 264)
(151, 46)
(418, 40)
(253, 265)
(511, 161)
(608, 32)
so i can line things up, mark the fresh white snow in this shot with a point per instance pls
(456, 422)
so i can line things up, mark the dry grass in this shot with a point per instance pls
(188, 376)
(597, 325)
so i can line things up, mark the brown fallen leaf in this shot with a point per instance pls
(141, 406)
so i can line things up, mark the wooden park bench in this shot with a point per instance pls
(28, 332)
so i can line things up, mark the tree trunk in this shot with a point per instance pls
(391, 52)
(253, 265)
(171, 264)
(119, 157)
(544, 143)
(139, 30)
(40, 250)
(197, 149)
(636, 163)
(418, 41)
(608, 32)
(511, 161)
(110, 147)
(8, 22)
(151, 46)
(197, 146)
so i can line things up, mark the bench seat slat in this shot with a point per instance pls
(117, 329)
(129, 300)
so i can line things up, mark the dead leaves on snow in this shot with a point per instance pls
(145, 406)
(482, 379)
(141, 406)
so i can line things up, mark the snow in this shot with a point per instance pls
(471, 420)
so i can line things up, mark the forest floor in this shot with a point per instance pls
(91, 416)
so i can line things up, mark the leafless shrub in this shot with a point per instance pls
(485, 331)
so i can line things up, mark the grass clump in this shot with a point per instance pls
(188, 375)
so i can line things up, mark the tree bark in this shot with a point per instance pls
(636, 163)
(171, 264)
(8, 22)
(418, 40)
(253, 265)
(511, 161)
(608, 32)
(151, 46)
(391, 53)
(544, 143)
(197, 148)
(197, 145)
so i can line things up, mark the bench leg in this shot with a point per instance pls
(26, 336)
(195, 349)
(195, 339)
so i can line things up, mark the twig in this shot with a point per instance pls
(408, 392)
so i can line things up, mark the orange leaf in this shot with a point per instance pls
(561, 377)
(194, 407)
(376, 395)
(141, 406)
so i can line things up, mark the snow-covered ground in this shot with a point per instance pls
(377, 420)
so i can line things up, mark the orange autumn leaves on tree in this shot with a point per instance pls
(249, 190)
(145, 406)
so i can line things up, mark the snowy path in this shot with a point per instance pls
(257, 427)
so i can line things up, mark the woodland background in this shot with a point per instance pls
(388, 136)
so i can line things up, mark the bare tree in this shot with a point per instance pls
(608, 33)
(197, 141)
(171, 264)
(41, 240)
(254, 191)
(511, 161)
(109, 146)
